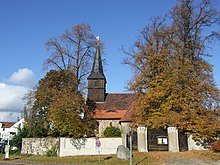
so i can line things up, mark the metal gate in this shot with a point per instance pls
(134, 140)
(157, 140)
(183, 142)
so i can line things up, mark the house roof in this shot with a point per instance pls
(7, 124)
(116, 101)
(116, 105)
(103, 114)
(129, 116)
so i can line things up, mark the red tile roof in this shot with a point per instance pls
(129, 116)
(103, 114)
(7, 124)
(116, 105)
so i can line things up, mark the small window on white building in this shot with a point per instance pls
(12, 133)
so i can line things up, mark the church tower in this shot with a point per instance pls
(96, 79)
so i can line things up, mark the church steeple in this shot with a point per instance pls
(97, 69)
(96, 79)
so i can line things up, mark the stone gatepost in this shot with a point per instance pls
(125, 128)
(190, 142)
(142, 138)
(173, 139)
(124, 139)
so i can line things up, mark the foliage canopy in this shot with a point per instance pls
(57, 107)
(69, 114)
(174, 81)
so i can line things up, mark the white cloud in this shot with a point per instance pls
(11, 97)
(23, 77)
(12, 93)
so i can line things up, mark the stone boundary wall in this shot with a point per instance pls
(38, 146)
(196, 145)
(87, 146)
(84, 146)
(70, 146)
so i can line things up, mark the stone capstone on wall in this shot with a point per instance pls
(38, 146)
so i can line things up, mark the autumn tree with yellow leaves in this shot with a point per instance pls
(172, 77)
(69, 114)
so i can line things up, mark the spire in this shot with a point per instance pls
(96, 79)
(97, 69)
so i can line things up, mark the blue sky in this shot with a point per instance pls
(27, 24)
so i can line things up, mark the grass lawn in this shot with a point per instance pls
(150, 158)
(138, 158)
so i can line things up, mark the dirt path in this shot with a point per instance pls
(188, 158)
(191, 162)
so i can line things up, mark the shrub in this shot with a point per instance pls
(52, 152)
(215, 146)
(17, 139)
(112, 132)
(15, 152)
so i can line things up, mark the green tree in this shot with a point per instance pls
(53, 81)
(58, 108)
(174, 81)
(17, 139)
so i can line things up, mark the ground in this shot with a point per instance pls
(151, 158)
(189, 158)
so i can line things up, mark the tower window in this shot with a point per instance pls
(96, 83)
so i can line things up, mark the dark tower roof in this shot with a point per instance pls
(97, 69)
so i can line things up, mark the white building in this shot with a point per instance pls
(9, 129)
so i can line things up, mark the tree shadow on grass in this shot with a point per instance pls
(107, 158)
(141, 161)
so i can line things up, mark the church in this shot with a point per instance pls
(109, 108)
(116, 109)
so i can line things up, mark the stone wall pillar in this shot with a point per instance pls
(125, 128)
(142, 138)
(190, 143)
(124, 139)
(173, 139)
